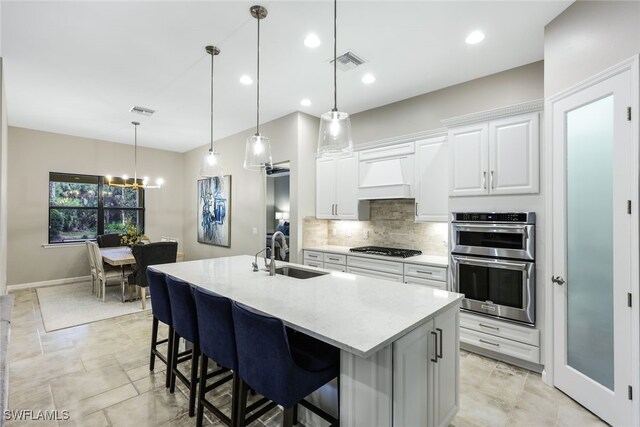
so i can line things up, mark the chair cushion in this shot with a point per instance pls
(215, 328)
(183, 309)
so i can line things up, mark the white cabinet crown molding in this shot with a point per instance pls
(496, 113)
(433, 133)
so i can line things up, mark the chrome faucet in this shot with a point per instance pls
(254, 264)
(272, 264)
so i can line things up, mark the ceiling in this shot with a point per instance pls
(77, 67)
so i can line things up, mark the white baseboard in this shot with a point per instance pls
(44, 283)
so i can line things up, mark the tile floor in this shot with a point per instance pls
(99, 372)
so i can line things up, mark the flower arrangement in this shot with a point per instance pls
(131, 237)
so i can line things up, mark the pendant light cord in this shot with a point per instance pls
(258, 84)
(335, 55)
(135, 152)
(211, 147)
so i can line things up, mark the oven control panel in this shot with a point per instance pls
(521, 217)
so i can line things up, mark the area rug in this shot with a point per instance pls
(70, 305)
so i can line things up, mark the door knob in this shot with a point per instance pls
(557, 280)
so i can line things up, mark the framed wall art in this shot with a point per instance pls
(214, 211)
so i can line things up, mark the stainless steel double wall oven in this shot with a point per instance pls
(493, 263)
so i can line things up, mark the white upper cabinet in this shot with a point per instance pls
(496, 157)
(431, 179)
(337, 189)
(514, 154)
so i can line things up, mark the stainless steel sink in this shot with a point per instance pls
(299, 273)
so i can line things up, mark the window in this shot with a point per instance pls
(82, 206)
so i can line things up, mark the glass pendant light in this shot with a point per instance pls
(334, 136)
(212, 161)
(257, 154)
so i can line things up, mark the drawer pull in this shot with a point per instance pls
(487, 326)
(334, 259)
(490, 343)
(424, 272)
(312, 256)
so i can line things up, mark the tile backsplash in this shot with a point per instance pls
(391, 224)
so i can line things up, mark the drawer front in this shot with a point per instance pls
(335, 259)
(313, 256)
(311, 263)
(375, 264)
(426, 272)
(375, 274)
(425, 282)
(501, 329)
(335, 267)
(500, 345)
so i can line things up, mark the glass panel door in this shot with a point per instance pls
(590, 348)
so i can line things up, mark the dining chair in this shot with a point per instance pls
(110, 240)
(283, 365)
(92, 267)
(103, 274)
(146, 255)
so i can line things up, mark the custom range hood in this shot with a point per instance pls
(386, 172)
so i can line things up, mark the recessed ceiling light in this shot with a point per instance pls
(474, 37)
(368, 79)
(305, 102)
(246, 80)
(312, 41)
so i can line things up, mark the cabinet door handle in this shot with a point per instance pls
(484, 179)
(435, 341)
(487, 326)
(416, 208)
(488, 342)
(336, 209)
(493, 184)
(439, 348)
(333, 209)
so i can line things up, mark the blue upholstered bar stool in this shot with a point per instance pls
(284, 366)
(161, 310)
(218, 342)
(185, 325)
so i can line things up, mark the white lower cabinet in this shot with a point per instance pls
(428, 355)
(375, 274)
(509, 339)
(335, 267)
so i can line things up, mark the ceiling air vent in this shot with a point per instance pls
(141, 110)
(348, 61)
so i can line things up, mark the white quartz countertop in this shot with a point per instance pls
(434, 260)
(357, 314)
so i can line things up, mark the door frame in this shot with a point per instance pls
(630, 64)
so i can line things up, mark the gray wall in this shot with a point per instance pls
(424, 112)
(3, 184)
(33, 155)
(248, 189)
(589, 37)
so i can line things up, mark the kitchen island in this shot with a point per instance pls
(399, 343)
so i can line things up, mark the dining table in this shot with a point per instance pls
(121, 256)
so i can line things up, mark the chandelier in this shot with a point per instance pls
(125, 181)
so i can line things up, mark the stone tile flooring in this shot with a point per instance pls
(99, 372)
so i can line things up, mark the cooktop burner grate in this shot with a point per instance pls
(380, 250)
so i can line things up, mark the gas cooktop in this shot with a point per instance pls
(379, 250)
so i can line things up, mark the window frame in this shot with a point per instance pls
(100, 208)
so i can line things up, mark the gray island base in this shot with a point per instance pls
(399, 343)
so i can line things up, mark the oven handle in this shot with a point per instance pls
(494, 264)
(505, 228)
